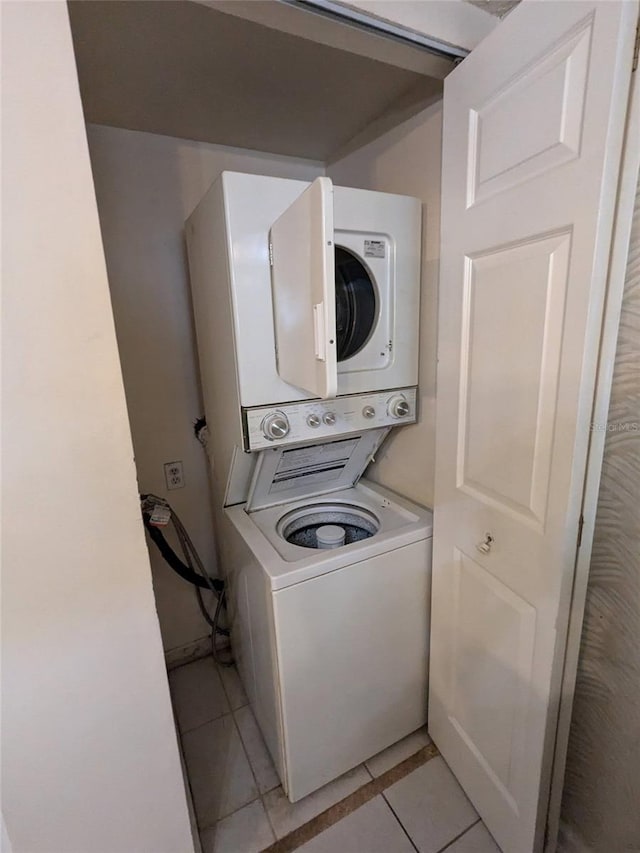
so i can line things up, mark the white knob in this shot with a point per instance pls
(329, 418)
(275, 426)
(369, 412)
(398, 407)
(313, 421)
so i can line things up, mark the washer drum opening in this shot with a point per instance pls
(299, 527)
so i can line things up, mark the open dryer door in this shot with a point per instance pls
(303, 287)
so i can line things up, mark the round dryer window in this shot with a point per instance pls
(356, 303)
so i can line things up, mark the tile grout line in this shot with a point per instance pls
(229, 713)
(235, 811)
(224, 693)
(458, 836)
(257, 787)
(331, 815)
(253, 773)
(200, 829)
(402, 826)
(246, 750)
(186, 774)
(231, 710)
(187, 778)
(269, 821)
(260, 796)
(172, 667)
(206, 723)
(246, 755)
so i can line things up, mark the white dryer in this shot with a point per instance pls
(303, 291)
(331, 641)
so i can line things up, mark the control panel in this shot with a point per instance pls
(316, 420)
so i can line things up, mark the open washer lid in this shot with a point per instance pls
(285, 474)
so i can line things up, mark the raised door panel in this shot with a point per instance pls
(534, 122)
(491, 672)
(511, 338)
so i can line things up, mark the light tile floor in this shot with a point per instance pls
(371, 828)
(240, 805)
(286, 816)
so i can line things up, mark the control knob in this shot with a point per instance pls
(369, 412)
(398, 407)
(275, 426)
(329, 418)
(313, 421)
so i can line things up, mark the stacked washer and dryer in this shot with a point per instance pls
(306, 306)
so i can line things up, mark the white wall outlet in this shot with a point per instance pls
(174, 475)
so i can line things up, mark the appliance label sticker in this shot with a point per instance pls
(375, 248)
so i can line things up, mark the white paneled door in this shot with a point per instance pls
(533, 130)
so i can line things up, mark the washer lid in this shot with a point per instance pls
(285, 474)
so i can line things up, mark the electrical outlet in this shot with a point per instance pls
(174, 475)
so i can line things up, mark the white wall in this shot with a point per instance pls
(146, 186)
(89, 755)
(407, 160)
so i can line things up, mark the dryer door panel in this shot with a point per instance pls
(303, 288)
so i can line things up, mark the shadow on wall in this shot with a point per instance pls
(602, 782)
(408, 160)
(146, 186)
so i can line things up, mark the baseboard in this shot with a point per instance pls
(199, 648)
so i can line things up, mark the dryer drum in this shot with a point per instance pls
(299, 526)
(356, 304)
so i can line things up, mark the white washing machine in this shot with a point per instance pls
(305, 291)
(331, 579)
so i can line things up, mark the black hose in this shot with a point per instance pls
(207, 616)
(200, 579)
(176, 563)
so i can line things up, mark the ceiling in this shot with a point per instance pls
(185, 69)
